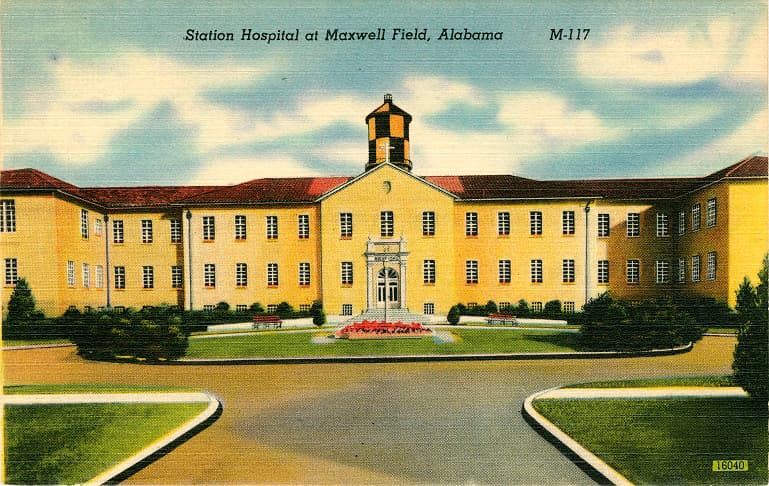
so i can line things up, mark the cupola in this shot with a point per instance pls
(388, 135)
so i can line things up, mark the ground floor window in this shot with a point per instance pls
(536, 307)
(11, 271)
(429, 308)
(346, 309)
(696, 268)
(119, 277)
(633, 271)
(304, 307)
(272, 308)
(176, 276)
(504, 306)
(663, 271)
(241, 307)
(603, 271)
(711, 270)
(568, 307)
(209, 307)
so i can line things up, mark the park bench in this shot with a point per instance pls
(501, 319)
(267, 321)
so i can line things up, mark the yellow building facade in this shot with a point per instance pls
(383, 238)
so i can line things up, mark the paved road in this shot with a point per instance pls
(456, 422)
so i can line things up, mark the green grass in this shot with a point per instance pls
(722, 330)
(668, 441)
(54, 444)
(720, 380)
(27, 342)
(281, 344)
(88, 388)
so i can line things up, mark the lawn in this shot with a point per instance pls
(292, 344)
(90, 388)
(55, 444)
(670, 441)
(28, 342)
(717, 380)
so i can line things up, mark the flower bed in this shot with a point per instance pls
(382, 330)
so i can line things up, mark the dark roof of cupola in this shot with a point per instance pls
(388, 107)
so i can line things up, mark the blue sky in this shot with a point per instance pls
(110, 93)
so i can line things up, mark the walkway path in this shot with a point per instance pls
(451, 422)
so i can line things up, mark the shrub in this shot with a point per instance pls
(522, 309)
(222, 306)
(751, 355)
(257, 308)
(491, 307)
(284, 310)
(23, 320)
(318, 315)
(453, 316)
(552, 309)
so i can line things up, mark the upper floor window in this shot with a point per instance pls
(428, 223)
(272, 227)
(471, 271)
(70, 273)
(240, 227)
(209, 228)
(84, 223)
(428, 272)
(568, 222)
(710, 216)
(568, 271)
(681, 222)
(148, 277)
(711, 269)
(146, 231)
(633, 271)
(346, 273)
(304, 226)
(209, 275)
(97, 226)
(386, 225)
(471, 224)
(504, 271)
(696, 217)
(7, 216)
(272, 274)
(241, 275)
(536, 271)
(603, 225)
(503, 223)
(603, 271)
(304, 274)
(345, 225)
(176, 230)
(696, 259)
(86, 275)
(535, 222)
(11, 271)
(117, 231)
(663, 271)
(176, 276)
(633, 224)
(99, 276)
(681, 270)
(663, 225)
(120, 277)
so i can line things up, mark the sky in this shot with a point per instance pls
(111, 94)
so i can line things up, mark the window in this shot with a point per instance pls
(536, 307)
(346, 273)
(536, 271)
(209, 275)
(240, 227)
(568, 307)
(535, 222)
(148, 277)
(241, 275)
(119, 277)
(304, 273)
(695, 268)
(7, 216)
(428, 271)
(241, 308)
(633, 270)
(97, 227)
(471, 271)
(663, 271)
(503, 223)
(304, 307)
(428, 223)
(272, 227)
(603, 225)
(11, 271)
(119, 309)
(272, 274)
(681, 222)
(696, 217)
(304, 226)
(711, 269)
(176, 276)
(428, 308)
(117, 231)
(504, 306)
(176, 230)
(568, 271)
(86, 275)
(271, 308)
(710, 215)
(209, 308)
(345, 225)
(99, 276)
(471, 224)
(504, 271)
(386, 226)
(84, 223)
(603, 271)
(568, 222)
(209, 228)
(633, 224)
(663, 226)
(70, 273)
(682, 270)
(146, 231)
(346, 309)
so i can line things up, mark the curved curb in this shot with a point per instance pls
(430, 357)
(36, 346)
(583, 458)
(162, 446)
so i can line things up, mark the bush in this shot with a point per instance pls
(284, 310)
(23, 320)
(616, 325)
(522, 309)
(223, 307)
(257, 308)
(318, 315)
(453, 316)
(491, 307)
(751, 355)
(552, 310)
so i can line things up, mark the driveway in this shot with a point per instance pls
(456, 422)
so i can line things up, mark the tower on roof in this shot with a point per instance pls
(388, 135)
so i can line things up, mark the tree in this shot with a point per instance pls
(453, 316)
(23, 319)
(751, 355)
(21, 306)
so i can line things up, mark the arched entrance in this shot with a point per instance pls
(387, 288)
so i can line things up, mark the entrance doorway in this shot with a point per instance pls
(387, 289)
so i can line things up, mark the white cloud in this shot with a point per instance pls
(751, 67)
(672, 57)
(237, 170)
(431, 94)
(354, 154)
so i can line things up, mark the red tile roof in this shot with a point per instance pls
(286, 189)
(31, 179)
(126, 197)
